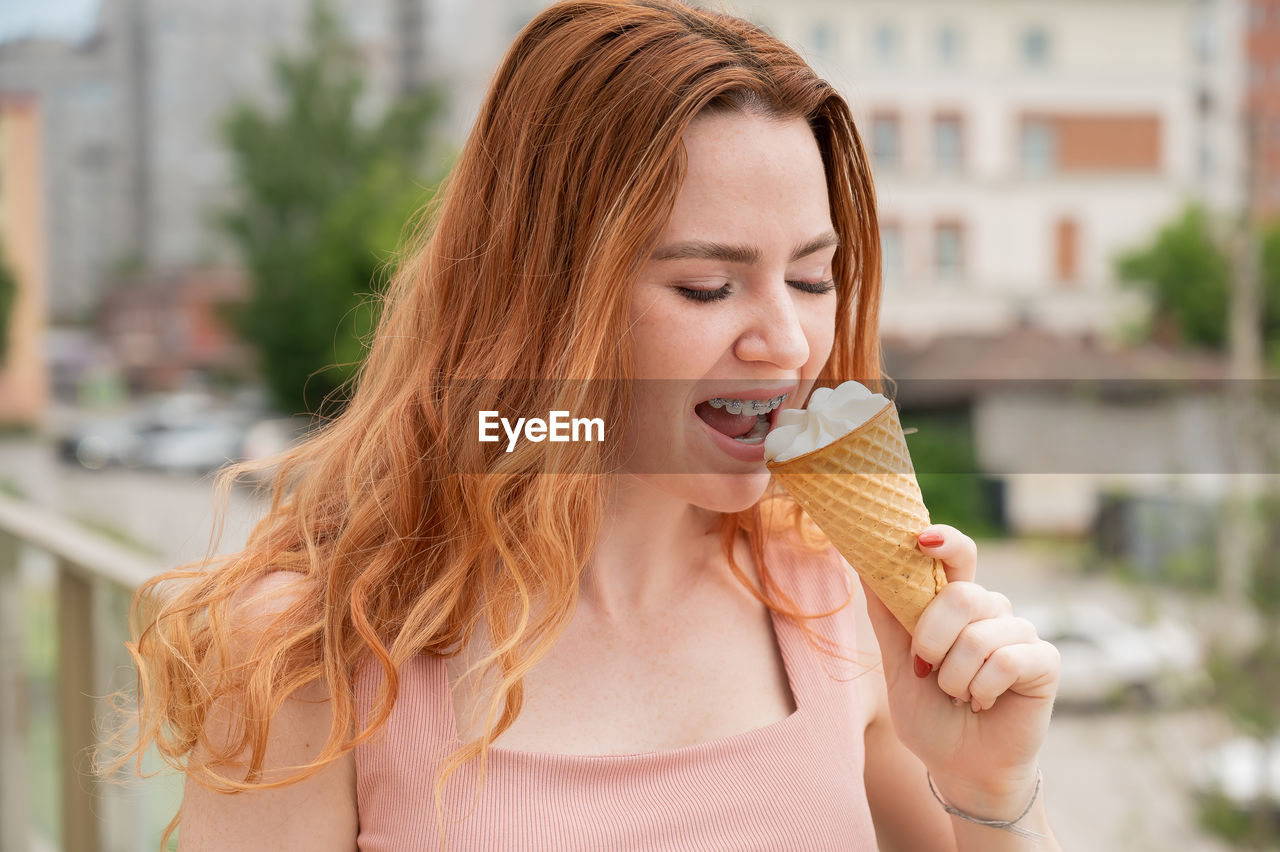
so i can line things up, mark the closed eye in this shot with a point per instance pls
(697, 295)
(817, 288)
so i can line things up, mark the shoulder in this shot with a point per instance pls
(318, 812)
(259, 603)
(816, 577)
(822, 580)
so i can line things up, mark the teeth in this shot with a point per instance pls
(757, 433)
(752, 406)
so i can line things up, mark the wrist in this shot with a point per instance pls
(1010, 824)
(1003, 798)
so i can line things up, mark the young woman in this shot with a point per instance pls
(434, 641)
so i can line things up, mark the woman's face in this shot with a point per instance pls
(734, 309)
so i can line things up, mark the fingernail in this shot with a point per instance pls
(975, 705)
(930, 539)
(922, 668)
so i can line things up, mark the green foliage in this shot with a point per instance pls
(1264, 585)
(1188, 271)
(1188, 277)
(946, 468)
(8, 296)
(323, 199)
(1220, 817)
(1271, 294)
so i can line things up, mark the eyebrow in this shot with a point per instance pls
(703, 250)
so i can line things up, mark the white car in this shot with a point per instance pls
(1241, 770)
(1107, 660)
(195, 448)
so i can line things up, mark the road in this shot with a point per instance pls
(1114, 782)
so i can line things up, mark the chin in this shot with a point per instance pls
(730, 492)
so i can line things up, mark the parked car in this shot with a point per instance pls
(271, 436)
(188, 431)
(101, 441)
(1241, 771)
(197, 447)
(1108, 661)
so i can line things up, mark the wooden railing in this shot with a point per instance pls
(93, 579)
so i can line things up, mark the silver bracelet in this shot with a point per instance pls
(1010, 825)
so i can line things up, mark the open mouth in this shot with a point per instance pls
(746, 421)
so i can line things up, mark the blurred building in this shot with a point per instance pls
(167, 326)
(1018, 146)
(1262, 55)
(23, 381)
(132, 114)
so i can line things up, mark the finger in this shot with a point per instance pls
(957, 606)
(977, 642)
(1030, 670)
(958, 552)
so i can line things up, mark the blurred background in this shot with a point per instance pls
(1079, 203)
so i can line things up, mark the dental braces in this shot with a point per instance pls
(736, 406)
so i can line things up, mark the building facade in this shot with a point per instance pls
(137, 166)
(24, 386)
(1019, 146)
(1262, 56)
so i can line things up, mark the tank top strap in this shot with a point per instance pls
(819, 583)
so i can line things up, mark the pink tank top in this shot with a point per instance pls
(793, 784)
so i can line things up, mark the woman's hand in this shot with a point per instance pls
(971, 693)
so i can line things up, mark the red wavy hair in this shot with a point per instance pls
(411, 534)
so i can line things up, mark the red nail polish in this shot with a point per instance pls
(922, 668)
(930, 539)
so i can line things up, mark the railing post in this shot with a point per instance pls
(14, 825)
(76, 710)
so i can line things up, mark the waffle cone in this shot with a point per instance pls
(861, 491)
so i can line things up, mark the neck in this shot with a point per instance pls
(652, 551)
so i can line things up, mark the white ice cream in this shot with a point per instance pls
(831, 414)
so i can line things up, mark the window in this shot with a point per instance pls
(822, 38)
(948, 143)
(1204, 101)
(1035, 47)
(1204, 38)
(1038, 146)
(1204, 160)
(1066, 242)
(948, 251)
(886, 141)
(948, 46)
(892, 260)
(887, 43)
(1257, 14)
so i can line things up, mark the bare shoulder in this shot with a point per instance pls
(318, 813)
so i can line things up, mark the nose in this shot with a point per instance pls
(773, 330)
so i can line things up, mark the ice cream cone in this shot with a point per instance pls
(862, 493)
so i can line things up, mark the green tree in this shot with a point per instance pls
(1188, 277)
(8, 296)
(1187, 271)
(1271, 294)
(323, 198)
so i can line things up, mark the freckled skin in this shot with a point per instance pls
(758, 183)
